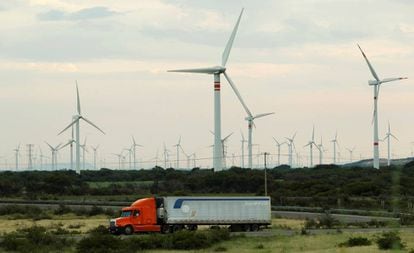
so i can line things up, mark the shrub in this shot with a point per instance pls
(390, 240)
(97, 243)
(220, 249)
(260, 246)
(356, 241)
(34, 239)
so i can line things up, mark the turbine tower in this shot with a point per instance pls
(291, 144)
(311, 143)
(54, 151)
(134, 147)
(376, 84)
(335, 143)
(321, 150)
(84, 150)
(17, 150)
(351, 151)
(278, 145)
(243, 140)
(216, 71)
(178, 146)
(76, 122)
(95, 150)
(388, 138)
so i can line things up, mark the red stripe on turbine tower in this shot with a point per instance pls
(375, 143)
(216, 86)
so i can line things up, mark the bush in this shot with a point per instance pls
(99, 243)
(356, 241)
(34, 239)
(390, 240)
(220, 249)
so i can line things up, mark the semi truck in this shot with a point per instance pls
(170, 214)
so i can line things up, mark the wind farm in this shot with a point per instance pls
(104, 104)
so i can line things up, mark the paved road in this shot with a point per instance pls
(344, 218)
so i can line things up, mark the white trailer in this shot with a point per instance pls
(245, 213)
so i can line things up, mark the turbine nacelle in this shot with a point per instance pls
(373, 82)
(208, 70)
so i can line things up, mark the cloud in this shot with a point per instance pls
(83, 14)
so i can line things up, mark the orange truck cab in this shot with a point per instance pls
(141, 216)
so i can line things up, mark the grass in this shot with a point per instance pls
(67, 221)
(288, 224)
(310, 244)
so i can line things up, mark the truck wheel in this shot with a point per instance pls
(128, 230)
(192, 227)
(254, 227)
(246, 228)
(176, 228)
(165, 229)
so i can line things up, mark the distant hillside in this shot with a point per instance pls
(383, 162)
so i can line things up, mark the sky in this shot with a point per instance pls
(298, 59)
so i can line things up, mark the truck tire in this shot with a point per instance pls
(254, 227)
(176, 228)
(192, 227)
(128, 230)
(165, 229)
(246, 228)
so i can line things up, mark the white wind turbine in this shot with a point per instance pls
(54, 151)
(95, 150)
(388, 136)
(351, 152)
(84, 149)
(178, 146)
(321, 151)
(134, 147)
(166, 151)
(68, 143)
(278, 145)
(130, 151)
(335, 143)
(17, 150)
(76, 122)
(311, 143)
(291, 145)
(243, 140)
(119, 159)
(216, 71)
(377, 84)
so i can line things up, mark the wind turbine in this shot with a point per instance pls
(130, 151)
(216, 71)
(166, 151)
(84, 149)
(76, 122)
(321, 151)
(134, 146)
(119, 159)
(377, 84)
(178, 146)
(388, 138)
(311, 143)
(335, 143)
(54, 151)
(351, 151)
(17, 150)
(95, 149)
(243, 140)
(278, 145)
(223, 145)
(291, 144)
(68, 143)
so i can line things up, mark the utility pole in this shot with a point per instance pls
(29, 150)
(265, 171)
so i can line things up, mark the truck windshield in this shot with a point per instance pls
(125, 213)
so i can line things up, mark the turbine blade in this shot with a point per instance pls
(374, 74)
(133, 140)
(68, 143)
(233, 86)
(262, 115)
(393, 136)
(386, 80)
(78, 99)
(225, 138)
(50, 146)
(92, 124)
(210, 70)
(226, 52)
(71, 124)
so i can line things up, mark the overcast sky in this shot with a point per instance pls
(298, 59)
